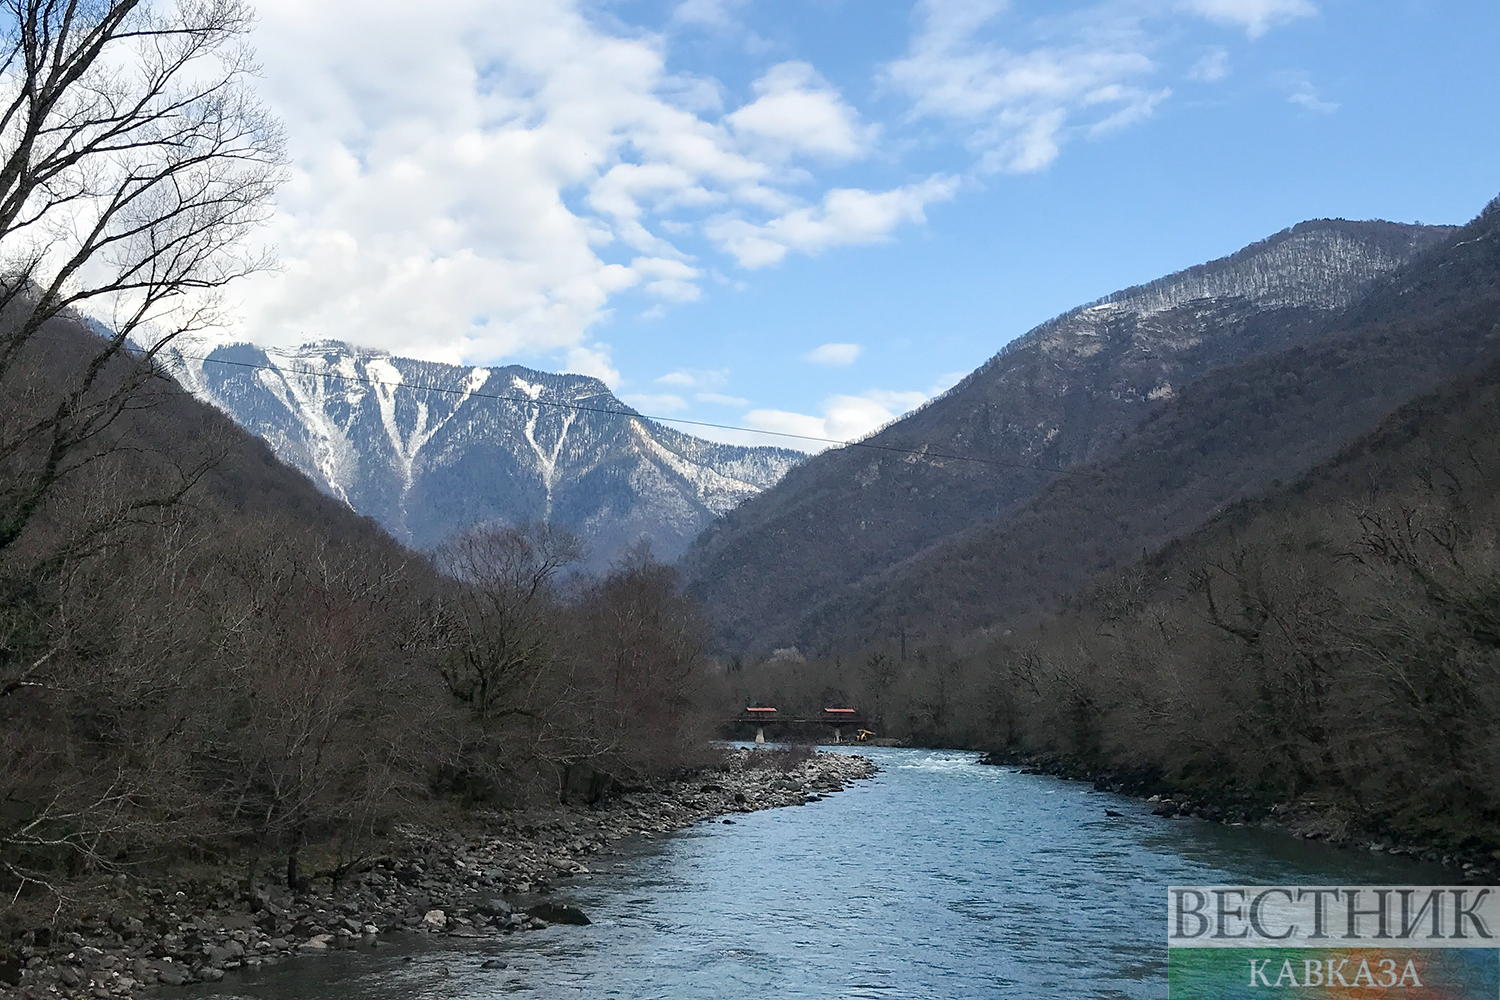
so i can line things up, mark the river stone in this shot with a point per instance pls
(318, 942)
(494, 907)
(558, 913)
(435, 920)
(171, 974)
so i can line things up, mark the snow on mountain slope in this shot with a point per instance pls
(428, 449)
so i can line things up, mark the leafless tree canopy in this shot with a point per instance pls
(134, 165)
(200, 655)
(134, 161)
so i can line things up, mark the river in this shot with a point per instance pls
(939, 878)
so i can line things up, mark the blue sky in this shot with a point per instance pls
(809, 215)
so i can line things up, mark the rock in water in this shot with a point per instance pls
(557, 913)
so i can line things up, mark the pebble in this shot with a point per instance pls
(440, 882)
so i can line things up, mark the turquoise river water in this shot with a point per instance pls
(939, 878)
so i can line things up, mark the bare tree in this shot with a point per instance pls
(134, 163)
(505, 617)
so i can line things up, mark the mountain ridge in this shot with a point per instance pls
(1064, 394)
(428, 449)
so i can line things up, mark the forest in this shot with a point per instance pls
(1191, 620)
(1334, 643)
(202, 657)
(204, 660)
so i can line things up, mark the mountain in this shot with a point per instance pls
(1228, 436)
(1332, 643)
(1068, 393)
(428, 449)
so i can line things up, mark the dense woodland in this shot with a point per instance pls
(1333, 641)
(204, 660)
(203, 657)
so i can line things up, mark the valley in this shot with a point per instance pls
(328, 669)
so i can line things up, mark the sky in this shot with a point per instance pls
(811, 215)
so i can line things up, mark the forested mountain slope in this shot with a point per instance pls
(797, 563)
(430, 449)
(1336, 642)
(204, 656)
(1228, 435)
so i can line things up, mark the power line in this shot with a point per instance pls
(582, 408)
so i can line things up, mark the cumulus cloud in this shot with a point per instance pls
(495, 178)
(799, 425)
(1310, 100)
(591, 359)
(834, 355)
(485, 180)
(797, 113)
(844, 418)
(1255, 16)
(845, 217)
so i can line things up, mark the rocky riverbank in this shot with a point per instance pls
(464, 884)
(1307, 819)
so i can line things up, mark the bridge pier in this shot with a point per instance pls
(760, 734)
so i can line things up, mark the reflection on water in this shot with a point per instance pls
(938, 878)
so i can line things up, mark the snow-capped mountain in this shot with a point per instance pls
(428, 449)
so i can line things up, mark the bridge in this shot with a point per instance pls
(840, 721)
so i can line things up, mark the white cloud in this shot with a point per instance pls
(707, 13)
(834, 355)
(1137, 108)
(1019, 104)
(592, 359)
(485, 180)
(695, 378)
(1301, 92)
(652, 404)
(796, 113)
(1255, 16)
(798, 424)
(845, 418)
(1212, 67)
(1312, 102)
(719, 399)
(672, 280)
(847, 216)
(895, 401)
